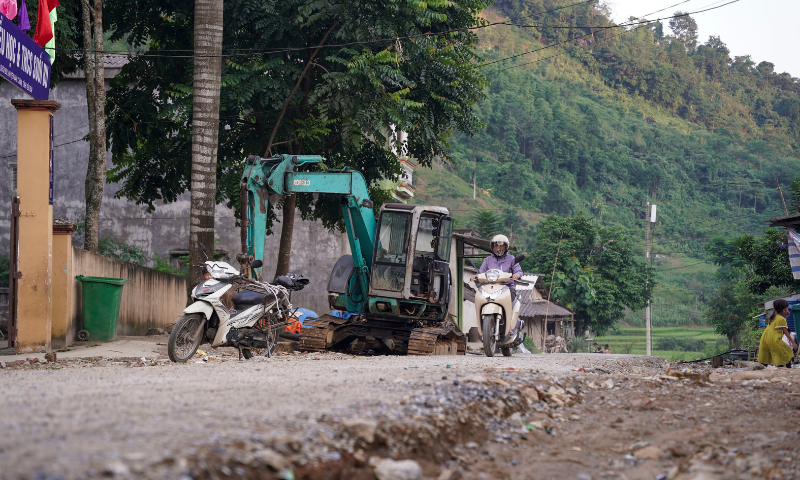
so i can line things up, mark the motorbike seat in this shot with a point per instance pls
(248, 297)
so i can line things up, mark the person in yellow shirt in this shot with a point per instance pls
(772, 349)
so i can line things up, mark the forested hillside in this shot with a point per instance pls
(612, 117)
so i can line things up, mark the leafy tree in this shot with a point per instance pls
(486, 222)
(767, 260)
(597, 274)
(345, 96)
(794, 195)
(684, 28)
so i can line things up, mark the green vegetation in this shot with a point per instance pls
(611, 119)
(113, 248)
(633, 340)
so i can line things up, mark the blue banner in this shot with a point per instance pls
(23, 62)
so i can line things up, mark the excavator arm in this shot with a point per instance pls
(278, 175)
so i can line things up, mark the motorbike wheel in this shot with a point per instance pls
(185, 338)
(272, 342)
(506, 351)
(489, 342)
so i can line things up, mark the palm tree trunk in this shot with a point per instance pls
(205, 129)
(96, 100)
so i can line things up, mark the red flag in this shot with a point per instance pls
(44, 29)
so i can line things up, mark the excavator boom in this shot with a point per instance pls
(279, 176)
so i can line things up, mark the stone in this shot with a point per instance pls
(609, 384)
(651, 452)
(753, 375)
(2, 364)
(498, 381)
(50, 357)
(155, 332)
(471, 445)
(272, 459)
(748, 365)
(116, 468)
(475, 379)
(363, 429)
(450, 474)
(390, 469)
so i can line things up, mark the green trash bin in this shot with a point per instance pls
(100, 309)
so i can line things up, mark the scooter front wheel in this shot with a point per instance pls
(185, 338)
(489, 342)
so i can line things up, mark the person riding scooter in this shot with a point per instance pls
(501, 260)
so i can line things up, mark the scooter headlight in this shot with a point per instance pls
(492, 275)
(492, 296)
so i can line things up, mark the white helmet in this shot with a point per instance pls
(502, 242)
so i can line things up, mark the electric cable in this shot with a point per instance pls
(640, 23)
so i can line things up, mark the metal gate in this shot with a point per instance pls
(13, 272)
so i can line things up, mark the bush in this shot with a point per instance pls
(680, 344)
(528, 342)
(164, 266)
(577, 344)
(112, 248)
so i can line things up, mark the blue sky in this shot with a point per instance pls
(767, 30)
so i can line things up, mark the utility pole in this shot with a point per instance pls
(474, 173)
(651, 210)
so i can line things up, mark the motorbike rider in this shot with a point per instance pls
(501, 260)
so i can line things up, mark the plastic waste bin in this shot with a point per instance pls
(100, 309)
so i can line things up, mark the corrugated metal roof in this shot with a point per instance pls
(786, 221)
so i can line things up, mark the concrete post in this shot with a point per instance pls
(63, 285)
(35, 190)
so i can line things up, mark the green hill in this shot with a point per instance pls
(612, 118)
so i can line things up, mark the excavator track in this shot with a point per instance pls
(319, 337)
(437, 341)
(330, 333)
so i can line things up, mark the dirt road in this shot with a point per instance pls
(337, 416)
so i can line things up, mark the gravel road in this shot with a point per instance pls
(307, 416)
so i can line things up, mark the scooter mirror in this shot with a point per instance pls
(202, 249)
(256, 264)
(470, 262)
(519, 258)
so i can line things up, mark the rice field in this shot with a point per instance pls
(632, 340)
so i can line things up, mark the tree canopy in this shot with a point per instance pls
(596, 273)
(356, 74)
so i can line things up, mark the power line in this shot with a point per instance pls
(640, 23)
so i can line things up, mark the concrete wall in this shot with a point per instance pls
(315, 250)
(151, 299)
(165, 229)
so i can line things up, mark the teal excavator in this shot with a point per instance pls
(394, 289)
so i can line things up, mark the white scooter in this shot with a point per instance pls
(253, 322)
(498, 317)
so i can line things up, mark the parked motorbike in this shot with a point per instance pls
(258, 312)
(498, 317)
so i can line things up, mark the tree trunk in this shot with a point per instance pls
(287, 229)
(205, 130)
(96, 100)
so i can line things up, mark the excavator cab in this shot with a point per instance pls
(410, 275)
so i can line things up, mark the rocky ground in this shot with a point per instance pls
(334, 416)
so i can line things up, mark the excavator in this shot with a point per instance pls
(393, 290)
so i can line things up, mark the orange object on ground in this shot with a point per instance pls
(294, 326)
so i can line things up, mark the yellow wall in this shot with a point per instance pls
(63, 286)
(150, 299)
(34, 306)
